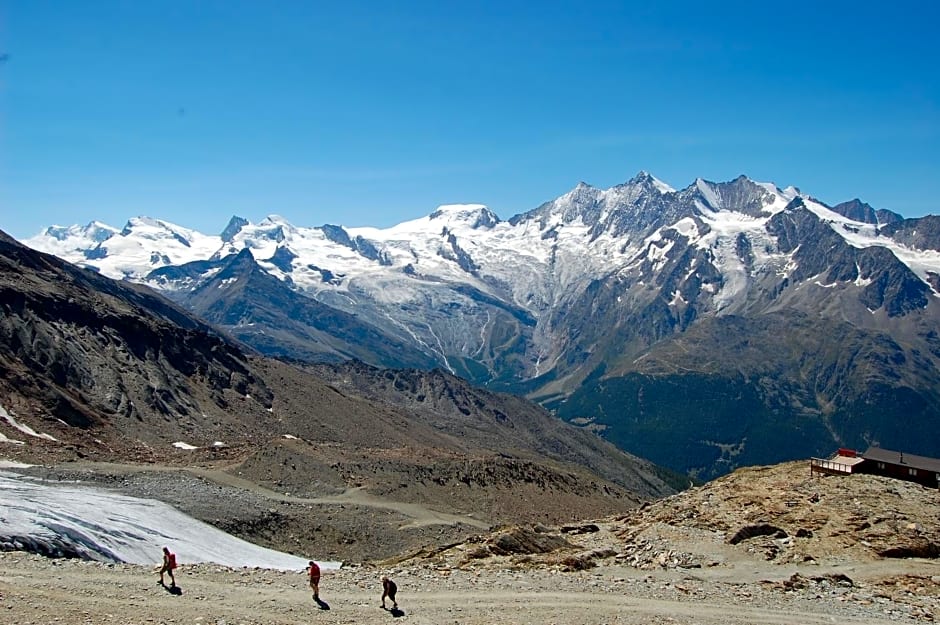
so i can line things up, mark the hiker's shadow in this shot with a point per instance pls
(323, 604)
(396, 612)
(173, 589)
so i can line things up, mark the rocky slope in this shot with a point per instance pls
(101, 365)
(778, 514)
(856, 540)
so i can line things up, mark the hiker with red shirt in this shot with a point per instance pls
(169, 563)
(314, 571)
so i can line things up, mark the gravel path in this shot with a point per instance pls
(35, 590)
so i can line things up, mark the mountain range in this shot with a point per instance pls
(93, 369)
(720, 325)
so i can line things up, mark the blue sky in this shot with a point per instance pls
(372, 113)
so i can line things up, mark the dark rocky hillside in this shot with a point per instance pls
(104, 366)
(485, 419)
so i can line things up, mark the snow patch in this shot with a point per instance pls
(25, 429)
(107, 527)
(708, 193)
(687, 228)
(661, 186)
(655, 253)
(12, 464)
(4, 439)
(859, 281)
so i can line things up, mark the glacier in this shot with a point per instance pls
(95, 524)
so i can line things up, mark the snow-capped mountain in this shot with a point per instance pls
(594, 285)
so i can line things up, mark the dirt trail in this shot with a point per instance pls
(420, 515)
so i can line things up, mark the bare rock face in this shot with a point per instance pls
(525, 540)
(86, 358)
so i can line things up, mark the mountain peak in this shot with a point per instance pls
(473, 215)
(581, 189)
(642, 177)
(276, 220)
(150, 222)
(459, 208)
(137, 222)
(235, 224)
(95, 231)
(647, 179)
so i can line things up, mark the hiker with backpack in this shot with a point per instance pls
(169, 563)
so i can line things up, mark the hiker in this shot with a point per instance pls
(169, 563)
(388, 590)
(314, 571)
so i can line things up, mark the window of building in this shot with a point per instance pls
(881, 465)
(912, 471)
